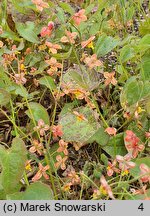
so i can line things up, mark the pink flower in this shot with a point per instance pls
(111, 168)
(42, 127)
(105, 188)
(41, 172)
(147, 134)
(69, 38)
(132, 143)
(57, 131)
(110, 78)
(20, 79)
(1, 44)
(61, 162)
(37, 147)
(145, 171)
(124, 162)
(40, 4)
(92, 61)
(47, 30)
(63, 147)
(79, 17)
(139, 191)
(72, 175)
(111, 131)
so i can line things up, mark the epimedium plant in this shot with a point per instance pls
(74, 92)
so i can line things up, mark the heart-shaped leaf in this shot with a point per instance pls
(13, 164)
(105, 44)
(38, 112)
(116, 146)
(35, 191)
(78, 125)
(85, 78)
(28, 31)
(48, 82)
(134, 91)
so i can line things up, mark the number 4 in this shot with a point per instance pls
(141, 207)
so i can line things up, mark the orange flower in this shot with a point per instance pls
(75, 179)
(87, 42)
(79, 93)
(69, 38)
(37, 147)
(111, 131)
(66, 187)
(61, 162)
(63, 147)
(110, 78)
(54, 65)
(41, 172)
(92, 61)
(57, 131)
(72, 175)
(79, 17)
(40, 4)
(53, 47)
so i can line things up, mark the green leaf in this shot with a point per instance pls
(17, 90)
(101, 137)
(66, 7)
(145, 70)
(86, 79)
(145, 41)
(2, 192)
(144, 27)
(32, 59)
(35, 191)
(4, 97)
(13, 164)
(134, 91)
(116, 146)
(62, 56)
(38, 112)
(127, 52)
(76, 130)
(28, 31)
(22, 5)
(9, 34)
(105, 44)
(48, 82)
(61, 15)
